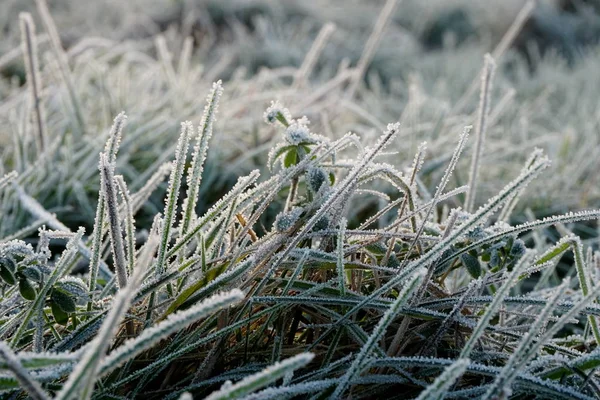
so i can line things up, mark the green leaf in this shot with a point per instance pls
(59, 315)
(7, 270)
(471, 264)
(291, 158)
(26, 289)
(63, 300)
(31, 272)
(279, 152)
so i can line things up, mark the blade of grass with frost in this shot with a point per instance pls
(503, 381)
(81, 381)
(438, 192)
(111, 204)
(63, 63)
(11, 361)
(34, 81)
(416, 167)
(174, 323)
(60, 269)
(494, 306)
(194, 177)
(435, 252)
(39, 360)
(584, 279)
(129, 223)
(340, 257)
(438, 389)
(236, 191)
(114, 137)
(372, 43)
(358, 363)
(313, 55)
(173, 194)
(487, 77)
(225, 226)
(183, 66)
(6, 179)
(261, 379)
(392, 130)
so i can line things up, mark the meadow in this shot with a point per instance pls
(266, 200)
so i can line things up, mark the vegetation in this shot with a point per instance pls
(340, 268)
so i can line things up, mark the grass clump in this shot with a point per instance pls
(421, 296)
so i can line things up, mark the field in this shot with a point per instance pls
(323, 200)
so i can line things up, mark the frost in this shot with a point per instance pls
(32, 387)
(114, 222)
(174, 323)
(443, 382)
(285, 221)
(173, 194)
(277, 112)
(261, 379)
(316, 177)
(359, 362)
(195, 170)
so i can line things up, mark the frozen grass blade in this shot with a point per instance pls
(174, 323)
(340, 257)
(487, 77)
(173, 194)
(6, 179)
(359, 362)
(194, 175)
(129, 223)
(63, 63)
(494, 306)
(257, 381)
(371, 46)
(34, 81)
(439, 388)
(116, 239)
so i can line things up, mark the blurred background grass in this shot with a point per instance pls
(130, 56)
